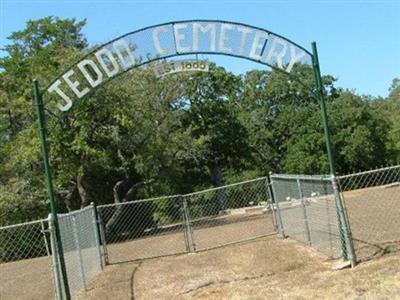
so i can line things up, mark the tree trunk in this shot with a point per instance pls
(218, 181)
(119, 187)
(117, 190)
(68, 198)
(85, 200)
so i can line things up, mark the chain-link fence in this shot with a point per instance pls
(30, 266)
(143, 228)
(372, 203)
(306, 211)
(25, 259)
(229, 214)
(305, 208)
(186, 223)
(24, 241)
(81, 246)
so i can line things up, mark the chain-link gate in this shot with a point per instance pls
(187, 223)
(230, 214)
(372, 202)
(303, 207)
(81, 246)
(144, 228)
(306, 211)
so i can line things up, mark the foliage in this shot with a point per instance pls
(142, 136)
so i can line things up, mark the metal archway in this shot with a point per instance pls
(163, 41)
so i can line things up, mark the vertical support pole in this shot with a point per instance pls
(103, 239)
(188, 227)
(328, 214)
(78, 248)
(321, 95)
(306, 225)
(96, 232)
(271, 203)
(50, 189)
(343, 221)
(280, 225)
(55, 260)
(46, 244)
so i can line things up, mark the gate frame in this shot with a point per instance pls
(320, 95)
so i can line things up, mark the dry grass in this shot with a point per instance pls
(374, 217)
(269, 268)
(264, 269)
(27, 279)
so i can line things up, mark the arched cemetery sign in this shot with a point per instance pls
(173, 39)
(167, 40)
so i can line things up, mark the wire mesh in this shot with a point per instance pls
(304, 208)
(24, 255)
(287, 199)
(321, 213)
(186, 223)
(78, 231)
(23, 241)
(372, 203)
(307, 211)
(230, 214)
(143, 228)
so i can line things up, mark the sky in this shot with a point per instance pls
(358, 41)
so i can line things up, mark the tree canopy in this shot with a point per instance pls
(142, 136)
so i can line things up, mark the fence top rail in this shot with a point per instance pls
(140, 201)
(23, 224)
(76, 212)
(178, 196)
(301, 176)
(368, 172)
(225, 186)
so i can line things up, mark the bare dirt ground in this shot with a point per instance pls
(32, 278)
(26, 279)
(268, 268)
(207, 233)
(374, 217)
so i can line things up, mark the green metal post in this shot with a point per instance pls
(347, 249)
(321, 95)
(50, 190)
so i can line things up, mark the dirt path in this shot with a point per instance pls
(269, 268)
